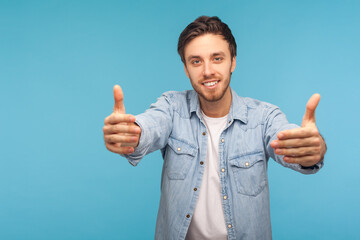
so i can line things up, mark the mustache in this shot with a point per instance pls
(212, 77)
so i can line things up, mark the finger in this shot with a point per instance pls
(119, 150)
(298, 152)
(121, 128)
(296, 142)
(119, 98)
(297, 133)
(305, 161)
(134, 145)
(116, 118)
(118, 138)
(309, 116)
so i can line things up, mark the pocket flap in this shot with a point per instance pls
(246, 161)
(182, 147)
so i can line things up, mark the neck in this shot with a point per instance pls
(219, 108)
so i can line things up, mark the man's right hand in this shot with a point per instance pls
(121, 134)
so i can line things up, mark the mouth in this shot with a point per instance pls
(210, 84)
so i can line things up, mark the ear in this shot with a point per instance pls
(186, 71)
(233, 64)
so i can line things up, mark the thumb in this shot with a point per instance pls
(309, 116)
(118, 97)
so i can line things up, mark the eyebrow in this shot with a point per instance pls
(220, 53)
(192, 56)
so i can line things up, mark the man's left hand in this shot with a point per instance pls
(303, 145)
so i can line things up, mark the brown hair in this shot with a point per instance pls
(203, 25)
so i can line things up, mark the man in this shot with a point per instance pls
(215, 144)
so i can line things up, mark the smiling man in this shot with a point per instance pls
(215, 144)
(209, 64)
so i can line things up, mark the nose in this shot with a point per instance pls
(208, 70)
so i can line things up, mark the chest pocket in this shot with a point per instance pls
(249, 173)
(179, 156)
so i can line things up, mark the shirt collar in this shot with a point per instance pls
(194, 101)
(238, 109)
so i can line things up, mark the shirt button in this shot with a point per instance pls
(188, 216)
(229, 226)
(222, 140)
(179, 149)
(195, 189)
(204, 133)
(247, 164)
(223, 170)
(225, 197)
(201, 163)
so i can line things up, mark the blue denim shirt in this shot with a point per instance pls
(174, 125)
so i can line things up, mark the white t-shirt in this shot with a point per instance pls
(208, 221)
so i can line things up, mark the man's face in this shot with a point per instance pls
(208, 64)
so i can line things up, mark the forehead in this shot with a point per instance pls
(206, 45)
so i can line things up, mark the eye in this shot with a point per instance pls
(195, 62)
(218, 59)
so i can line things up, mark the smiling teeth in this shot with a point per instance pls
(209, 84)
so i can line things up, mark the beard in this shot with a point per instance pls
(212, 96)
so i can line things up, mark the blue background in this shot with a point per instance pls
(60, 59)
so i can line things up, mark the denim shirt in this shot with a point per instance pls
(175, 126)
